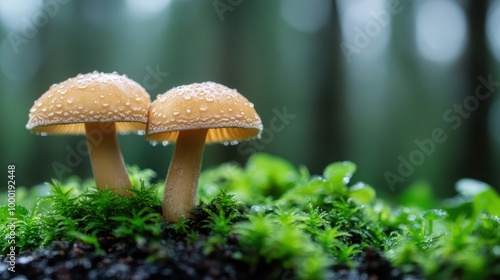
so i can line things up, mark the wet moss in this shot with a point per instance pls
(267, 219)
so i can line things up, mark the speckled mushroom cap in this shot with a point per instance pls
(227, 114)
(87, 98)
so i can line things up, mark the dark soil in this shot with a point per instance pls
(168, 259)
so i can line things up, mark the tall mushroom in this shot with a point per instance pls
(192, 115)
(98, 105)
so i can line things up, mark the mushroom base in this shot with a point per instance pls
(106, 159)
(182, 179)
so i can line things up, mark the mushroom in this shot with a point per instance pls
(98, 105)
(192, 115)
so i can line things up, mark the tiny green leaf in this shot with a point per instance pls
(434, 214)
(419, 194)
(470, 187)
(489, 201)
(339, 172)
(362, 193)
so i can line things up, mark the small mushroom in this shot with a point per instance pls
(192, 115)
(98, 105)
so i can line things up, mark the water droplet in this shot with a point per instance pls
(51, 114)
(138, 98)
(203, 108)
(230, 109)
(63, 91)
(234, 142)
(346, 180)
(164, 143)
(79, 107)
(251, 104)
(175, 112)
(141, 132)
(153, 143)
(187, 97)
(82, 86)
(258, 208)
(32, 110)
(225, 143)
(188, 110)
(209, 99)
(43, 133)
(105, 104)
(128, 103)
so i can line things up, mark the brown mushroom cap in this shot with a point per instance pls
(226, 114)
(88, 98)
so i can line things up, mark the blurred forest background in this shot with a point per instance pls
(370, 81)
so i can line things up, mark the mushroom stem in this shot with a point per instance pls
(106, 158)
(182, 179)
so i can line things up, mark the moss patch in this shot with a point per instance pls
(267, 219)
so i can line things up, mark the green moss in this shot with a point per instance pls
(271, 214)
